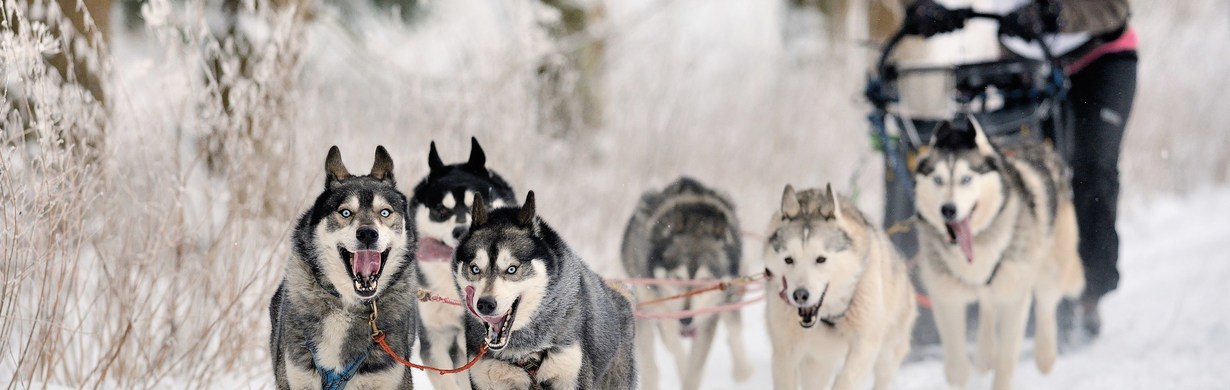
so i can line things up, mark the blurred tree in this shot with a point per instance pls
(82, 30)
(406, 9)
(131, 11)
(571, 89)
(252, 81)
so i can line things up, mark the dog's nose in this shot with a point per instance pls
(367, 236)
(685, 321)
(460, 231)
(485, 306)
(801, 295)
(949, 211)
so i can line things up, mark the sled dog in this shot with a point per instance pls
(546, 319)
(685, 232)
(844, 302)
(997, 227)
(440, 206)
(353, 247)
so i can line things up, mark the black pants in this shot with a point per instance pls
(1101, 100)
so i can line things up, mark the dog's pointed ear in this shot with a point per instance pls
(478, 212)
(433, 159)
(790, 203)
(382, 167)
(935, 135)
(335, 170)
(478, 159)
(956, 134)
(980, 137)
(835, 213)
(526, 216)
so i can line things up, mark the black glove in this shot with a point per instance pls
(927, 18)
(1031, 20)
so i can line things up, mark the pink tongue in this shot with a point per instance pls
(688, 332)
(433, 249)
(494, 321)
(964, 238)
(366, 263)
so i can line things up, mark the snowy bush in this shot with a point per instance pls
(143, 238)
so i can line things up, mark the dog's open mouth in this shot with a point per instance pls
(364, 266)
(499, 328)
(959, 233)
(687, 331)
(810, 315)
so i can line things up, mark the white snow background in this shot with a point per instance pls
(736, 93)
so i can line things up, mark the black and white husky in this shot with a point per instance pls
(441, 207)
(353, 246)
(548, 320)
(690, 232)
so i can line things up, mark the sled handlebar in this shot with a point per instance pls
(967, 13)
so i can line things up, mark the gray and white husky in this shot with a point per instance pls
(845, 298)
(352, 247)
(548, 321)
(687, 231)
(996, 226)
(440, 206)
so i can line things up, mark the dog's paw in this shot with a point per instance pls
(743, 370)
(957, 372)
(1044, 356)
(985, 359)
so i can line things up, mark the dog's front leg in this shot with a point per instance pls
(950, 320)
(674, 345)
(562, 369)
(734, 337)
(437, 354)
(786, 360)
(491, 374)
(1013, 313)
(862, 357)
(699, 353)
(986, 333)
(647, 359)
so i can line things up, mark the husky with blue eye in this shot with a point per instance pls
(441, 208)
(997, 227)
(547, 320)
(352, 249)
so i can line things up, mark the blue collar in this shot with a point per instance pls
(336, 380)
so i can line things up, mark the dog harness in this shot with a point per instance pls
(531, 363)
(336, 380)
(831, 321)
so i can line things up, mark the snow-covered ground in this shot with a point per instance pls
(1167, 327)
(729, 92)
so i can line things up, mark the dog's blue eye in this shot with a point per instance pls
(475, 270)
(821, 260)
(789, 260)
(512, 269)
(345, 213)
(966, 179)
(938, 181)
(385, 213)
